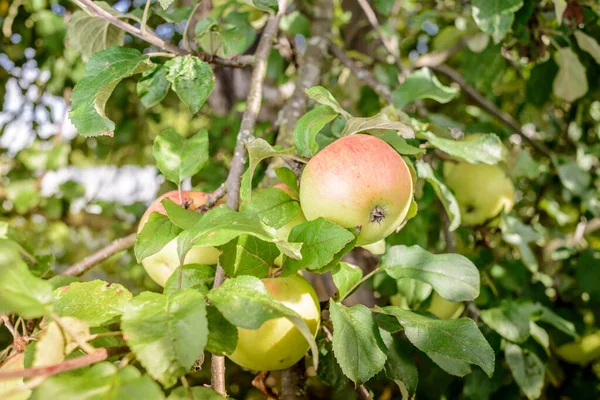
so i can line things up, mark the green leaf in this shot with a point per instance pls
(322, 96)
(345, 276)
(452, 276)
(89, 34)
(307, 128)
(589, 44)
(544, 314)
(445, 195)
(222, 335)
(273, 206)
(24, 194)
(329, 371)
(258, 150)
(167, 333)
(483, 79)
(288, 177)
(497, 25)
(245, 302)
(156, 233)
(195, 276)
(510, 320)
(321, 241)
(377, 124)
(20, 291)
(571, 82)
(165, 3)
(264, 5)
(400, 145)
(194, 393)
(247, 255)
(458, 339)
(153, 86)
(484, 149)
(495, 18)
(450, 365)
(527, 369)
(233, 35)
(103, 72)
(179, 158)
(573, 178)
(357, 343)
(180, 216)
(221, 225)
(422, 84)
(399, 366)
(95, 302)
(520, 235)
(102, 381)
(192, 79)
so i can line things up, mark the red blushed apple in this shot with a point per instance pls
(358, 181)
(162, 264)
(277, 343)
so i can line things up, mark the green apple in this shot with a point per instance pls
(445, 309)
(581, 352)
(482, 190)
(358, 181)
(161, 265)
(278, 344)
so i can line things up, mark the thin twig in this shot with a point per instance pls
(101, 255)
(490, 107)
(145, 17)
(245, 135)
(100, 354)
(186, 43)
(212, 199)
(152, 38)
(362, 74)
(363, 280)
(394, 50)
(363, 393)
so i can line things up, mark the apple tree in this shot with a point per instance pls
(324, 199)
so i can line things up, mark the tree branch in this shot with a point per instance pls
(100, 354)
(490, 107)
(362, 74)
(101, 255)
(245, 135)
(293, 381)
(309, 74)
(392, 48)
(152, 38)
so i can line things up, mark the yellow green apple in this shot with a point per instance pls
(161, 265)
(582, 352)
(278, 344)
(358, 181)
(445, 309)
(482, 190)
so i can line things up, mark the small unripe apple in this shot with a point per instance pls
(278, 344)
(358, 181)
(161, 265)
(581, 352)
(482, 190)
(445, 309)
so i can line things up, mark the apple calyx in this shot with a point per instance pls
(377, 215)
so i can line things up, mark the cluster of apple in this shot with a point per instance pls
(357, 182)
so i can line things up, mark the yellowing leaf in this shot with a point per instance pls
(570, 82)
